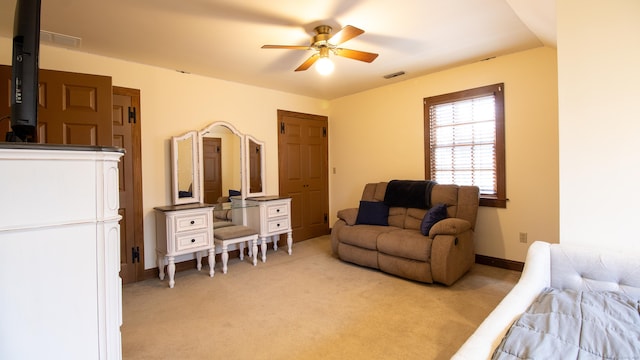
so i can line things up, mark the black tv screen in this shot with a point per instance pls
(24, 84)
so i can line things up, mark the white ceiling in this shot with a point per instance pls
(222, 38)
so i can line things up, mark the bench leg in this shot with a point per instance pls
(241, 249)
(212, 261)
(254, 247)
(225, 258)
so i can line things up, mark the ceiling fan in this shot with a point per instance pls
(324, 43)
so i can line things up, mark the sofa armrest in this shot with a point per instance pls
(348, 215)
(449, 226)
(535, 277)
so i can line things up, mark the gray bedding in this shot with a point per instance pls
(569, 324)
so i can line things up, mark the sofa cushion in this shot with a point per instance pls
(363, 236)
(397, 216)
(374, 191)
(446, 194)
(414, 217)
(372, 213)
(435, 214)
(405, 243)
(349, 215)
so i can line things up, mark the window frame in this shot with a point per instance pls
(499, 199)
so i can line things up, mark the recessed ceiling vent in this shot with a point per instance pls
(395, 74)
(66, 41)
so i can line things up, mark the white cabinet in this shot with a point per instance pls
(183, 229)
(270, 216)
(60, 289)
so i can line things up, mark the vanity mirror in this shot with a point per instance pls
(221, 161)
(184, 164)
(256, 159)
(216, 161)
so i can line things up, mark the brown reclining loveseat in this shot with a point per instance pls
(399, 247)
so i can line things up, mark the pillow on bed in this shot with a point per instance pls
(373, 213)
(435, 214)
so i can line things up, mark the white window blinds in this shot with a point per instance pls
(463, 143)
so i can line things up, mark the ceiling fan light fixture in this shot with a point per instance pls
(324, 66)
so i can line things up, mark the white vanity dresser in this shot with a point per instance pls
(217, 170)
(60, 288)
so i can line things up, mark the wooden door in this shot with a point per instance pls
(212, 169)
(127, 135)
(303, 171)
(73, 108)
(5, 101)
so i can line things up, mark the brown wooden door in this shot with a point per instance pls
(212, 169)
(73, 108)
(5, 105)
(303, 171)
(127, 135)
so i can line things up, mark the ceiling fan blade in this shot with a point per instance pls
(346, 33)
(356, 55)
(289, 47)
(307, 64)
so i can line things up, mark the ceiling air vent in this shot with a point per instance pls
(395, 74)
(61, 40)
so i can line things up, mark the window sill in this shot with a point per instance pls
(488, 201)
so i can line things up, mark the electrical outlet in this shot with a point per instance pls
(523, 237)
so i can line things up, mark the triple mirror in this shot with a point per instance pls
(214, 163)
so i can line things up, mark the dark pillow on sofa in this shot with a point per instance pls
(373, 213)
(435, 214)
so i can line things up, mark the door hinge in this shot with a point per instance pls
(282, 127)
(135, 254)
(324, 131)
(326, 218)
(132, 114)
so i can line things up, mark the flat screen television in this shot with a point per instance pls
(24, 71)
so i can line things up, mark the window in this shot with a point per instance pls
(464, 141)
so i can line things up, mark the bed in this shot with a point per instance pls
(562, 269)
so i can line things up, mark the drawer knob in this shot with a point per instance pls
(278, 225)
(277, 210)
(193, 222)
(193, 240)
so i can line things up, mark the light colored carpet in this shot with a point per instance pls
(309, 305)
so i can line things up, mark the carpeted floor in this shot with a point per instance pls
(309, 305)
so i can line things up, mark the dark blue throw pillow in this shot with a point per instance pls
(373, 213)
(435, 214)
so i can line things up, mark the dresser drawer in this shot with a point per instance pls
(275, 210)
(192, 240)
(188, 222)
(276, 225)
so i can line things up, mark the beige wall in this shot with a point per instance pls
(377, 135)
(374, 136)
(599, 92)
(173, 103)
